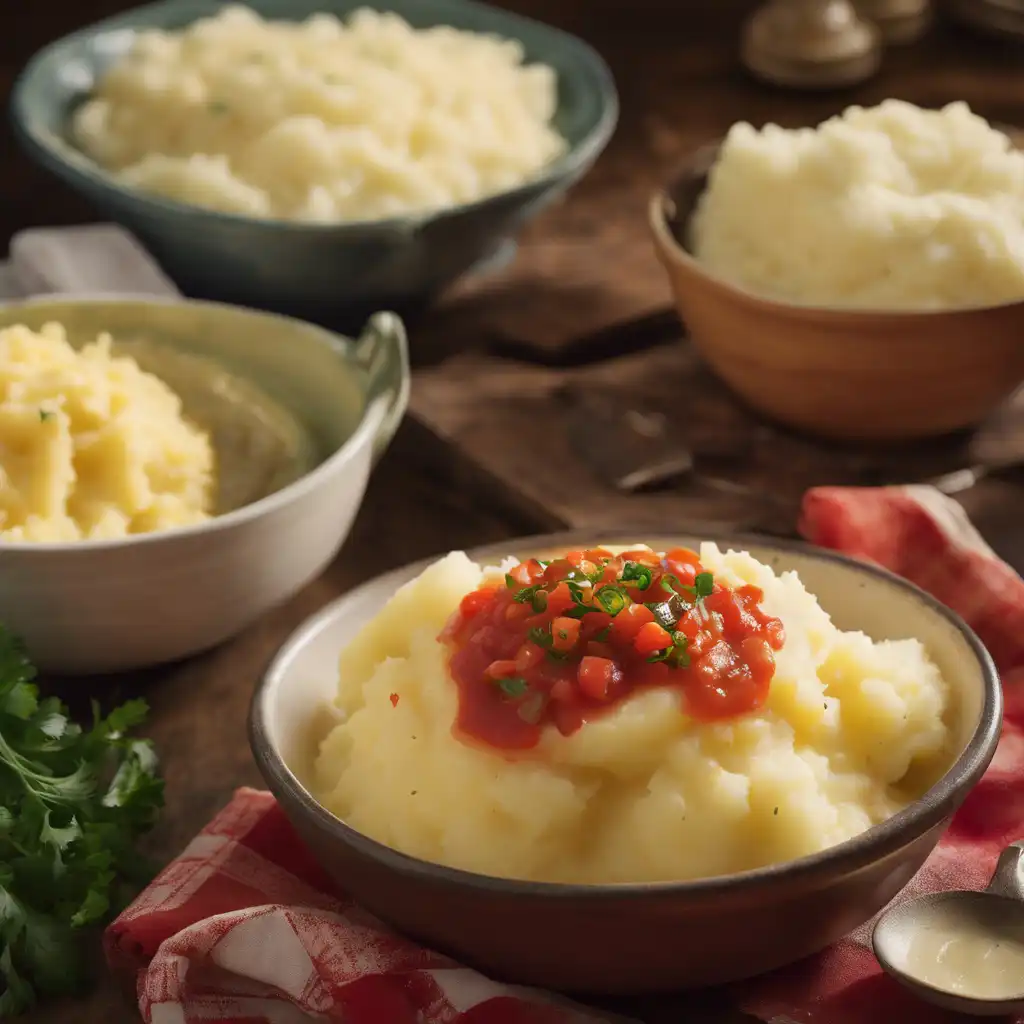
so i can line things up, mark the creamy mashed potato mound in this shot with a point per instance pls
(643, 793)
(893, 207)
(321, 120)
(91, 446)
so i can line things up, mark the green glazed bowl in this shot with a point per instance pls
(125, 603)
(315, 271)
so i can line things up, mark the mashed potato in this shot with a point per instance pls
(892, 207)
(321, 120)
(644, 793)
(90, 445)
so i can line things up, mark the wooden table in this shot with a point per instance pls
(680, 85)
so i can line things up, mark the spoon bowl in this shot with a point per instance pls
(963, 951)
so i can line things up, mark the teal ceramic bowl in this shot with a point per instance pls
(316, 271)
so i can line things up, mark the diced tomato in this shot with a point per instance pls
(560, 600)
(564, 633)
(558, 570)
(476, 601)
(564, 667)
(652, 637)
(528, 657)
(501, 669)
(597, 676)
(629, 622)
(563, 691)
(594, 623)
(521, 574)
(685, 555)
(642, 557)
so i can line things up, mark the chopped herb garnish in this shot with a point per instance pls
(703, 585)
(612, 598)
(601, 635)
(542, 638)
(45, 414)
(73, 802)
(535, 595)
(512, 686)
(511, 582)
(217, 107)
(674, 655)
(670, 583)
(634, 572)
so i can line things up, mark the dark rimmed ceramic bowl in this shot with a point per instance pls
(649, 937)
(309, 270)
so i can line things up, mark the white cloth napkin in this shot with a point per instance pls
(92, 259)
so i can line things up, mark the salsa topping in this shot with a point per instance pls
(561, 642)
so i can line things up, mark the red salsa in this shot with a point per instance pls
(560, 642)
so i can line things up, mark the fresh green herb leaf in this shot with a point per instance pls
(612, 598)
(510, 581)
(601, 635)
(675, 655)
(45, 414)
(535, 595)
(542, 638)
(670, 583)
(73, 802)
(217, 107)
(703, 585)
(512, 686)
(634, 572)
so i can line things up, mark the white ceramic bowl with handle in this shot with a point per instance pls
(114, 605)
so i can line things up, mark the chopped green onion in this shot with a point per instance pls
(634, 572)
(512, 686)
(612, 599)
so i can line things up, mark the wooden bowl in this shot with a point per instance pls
(852, 375)
(644, 937)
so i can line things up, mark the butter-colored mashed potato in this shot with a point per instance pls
(893, 207)
(321, 120)
(90, 445)
(644, 793)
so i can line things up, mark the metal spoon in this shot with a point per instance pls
(963, 951)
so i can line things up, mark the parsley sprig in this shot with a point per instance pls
(72, 803)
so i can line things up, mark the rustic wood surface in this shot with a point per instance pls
(584, 267)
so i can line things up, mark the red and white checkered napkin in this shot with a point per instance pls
(245, 927)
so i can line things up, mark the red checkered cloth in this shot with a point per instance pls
(244, 927)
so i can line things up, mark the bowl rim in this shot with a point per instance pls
(661, 212)
(876, 843)
(71, 164)
(369, 422)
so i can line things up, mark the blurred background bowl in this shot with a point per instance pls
(848, 375)
(338, 272)
(112, 605)
(632, 938)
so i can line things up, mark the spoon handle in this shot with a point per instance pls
(1008, 878)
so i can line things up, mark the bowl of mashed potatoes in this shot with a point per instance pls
(318, 157)
(171, 470)
(604, 766)
(862, 280)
